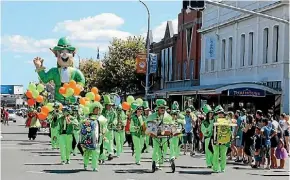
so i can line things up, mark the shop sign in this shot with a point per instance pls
(252, 92)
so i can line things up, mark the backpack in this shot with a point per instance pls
(90, 134)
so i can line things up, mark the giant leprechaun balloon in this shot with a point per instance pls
(64, 72)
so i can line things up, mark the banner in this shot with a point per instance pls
(210, 48)
(247, 92)
(153, 63)
(7, 89)
(141, 64)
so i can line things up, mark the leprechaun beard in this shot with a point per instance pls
(65, 60)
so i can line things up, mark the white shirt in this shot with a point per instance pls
(283, 124)
(65, 75)
(276, 125)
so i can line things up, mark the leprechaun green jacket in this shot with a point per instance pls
(69, 127)
(111, 116)
(54, 74)
(207, 128)
(136, 125)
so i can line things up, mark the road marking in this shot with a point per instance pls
(35, 172)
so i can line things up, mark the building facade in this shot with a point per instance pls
(246, 55)
(182, 72)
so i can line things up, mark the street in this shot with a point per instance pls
(24, 159)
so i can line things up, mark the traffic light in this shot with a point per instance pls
(193, 4)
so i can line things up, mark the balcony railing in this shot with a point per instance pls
(181, 83)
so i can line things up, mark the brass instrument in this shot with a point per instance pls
(120, 126)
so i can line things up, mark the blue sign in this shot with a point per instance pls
(210, 48)
(252, 92)
(153, 63)
(7, 89)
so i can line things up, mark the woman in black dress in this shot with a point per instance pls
(249, 132)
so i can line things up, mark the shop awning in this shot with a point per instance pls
(214, 89)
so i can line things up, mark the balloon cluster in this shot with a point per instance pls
(85, 102)
(33, 94)
(130, 99)
(70, 89)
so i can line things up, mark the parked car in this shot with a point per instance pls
(12, 115)
(18, 112)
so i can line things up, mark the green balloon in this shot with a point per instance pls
(86, 110)
(40, 88)
(82, 106)
(35, 93)
(88, 104)
(139, 101)
(32, 87)
(91, 96)
(130, 99)
(70, 92)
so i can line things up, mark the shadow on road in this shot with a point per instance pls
(46, 152)
(246, 168)
(237, 164)
(49, 155)
(117, 164)
(42, 164)
(133, 171)
(63, 171)
(273, 175)
(196, 172)
(192, 167)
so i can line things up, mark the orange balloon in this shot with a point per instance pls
(65, 85)
(125, 106)
(62, 90)
(97, 97)
(28, 94)
(45, 109)
(72, 84)
(41, 116)
(82, 101)
(31, 102)
(95, 90)
(60, 107)
(39, 99)
(77, 91)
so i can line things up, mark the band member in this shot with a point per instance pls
(67, 122)
(92, 134)
(146, 113)
(160, 117)
(76, 130)
(207, 130)
(120, 130)
(136, 129)
(110, 114)
(54, 126)
(179, 121)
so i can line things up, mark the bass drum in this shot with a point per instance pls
(151, 129)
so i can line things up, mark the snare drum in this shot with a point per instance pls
(166, 130)
(151, 129)
(176, 130)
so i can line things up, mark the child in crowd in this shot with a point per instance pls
(281, 153)
(258, 146)
(267, 133)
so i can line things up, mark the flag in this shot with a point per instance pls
(98, 53)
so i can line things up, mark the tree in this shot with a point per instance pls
(91, 70)
(119, 73)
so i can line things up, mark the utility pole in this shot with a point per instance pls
(148, 47)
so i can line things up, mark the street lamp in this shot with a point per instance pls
(148, 46)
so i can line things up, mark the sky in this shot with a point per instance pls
(29, 29)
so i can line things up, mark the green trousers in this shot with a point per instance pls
(109, 143)
(138, 145)
(158, 156)
(219, 151)
(120, 139)
(94, 155)
(54, 138)
(65, 143)
(174, 147)
(208, 153)
(147, 140)
(76, 134)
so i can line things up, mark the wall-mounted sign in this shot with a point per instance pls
(7, 89)
(141, 64)
(252, 92)
(18, 89)
(210, 49)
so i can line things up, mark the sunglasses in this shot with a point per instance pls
(163, 108)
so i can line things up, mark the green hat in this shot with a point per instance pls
(135, 106)
(175, 107)
(95, 105)
(161, 103)
(64, 44)
(218, 109)
(107, 100)
(206, 109)
(146, 105)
